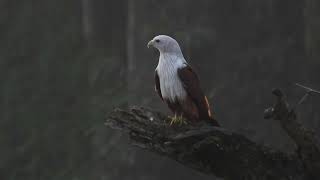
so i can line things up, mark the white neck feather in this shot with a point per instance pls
(168, 60)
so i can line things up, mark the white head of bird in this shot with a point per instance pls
(165, 44)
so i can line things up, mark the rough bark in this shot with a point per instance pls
(217, 151)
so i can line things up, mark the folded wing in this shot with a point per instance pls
(191, 84)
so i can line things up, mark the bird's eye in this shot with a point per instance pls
(157, 40)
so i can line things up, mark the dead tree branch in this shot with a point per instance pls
(213, 150)
(308, 144)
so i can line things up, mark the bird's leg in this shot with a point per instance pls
(170, 119)
(173, 119)
(177, 119)
(180, 120)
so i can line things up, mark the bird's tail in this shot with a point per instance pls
(212, 121)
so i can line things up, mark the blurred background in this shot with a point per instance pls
(65, 64)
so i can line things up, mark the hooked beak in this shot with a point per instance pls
(150, 43)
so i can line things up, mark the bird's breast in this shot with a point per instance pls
(170, 83)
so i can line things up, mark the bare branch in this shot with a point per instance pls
(308, 143)
(308, 89)
(308, 92)
(207, 149)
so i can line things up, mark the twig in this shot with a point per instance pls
(308, 89)
(308, 92)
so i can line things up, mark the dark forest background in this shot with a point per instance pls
(65, 64)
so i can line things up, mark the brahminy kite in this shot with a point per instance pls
(178, 85)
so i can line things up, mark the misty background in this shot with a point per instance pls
(65, 64)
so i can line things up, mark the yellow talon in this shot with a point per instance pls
(177, 120)
(173, 119)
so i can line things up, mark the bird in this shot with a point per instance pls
(178, 85)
